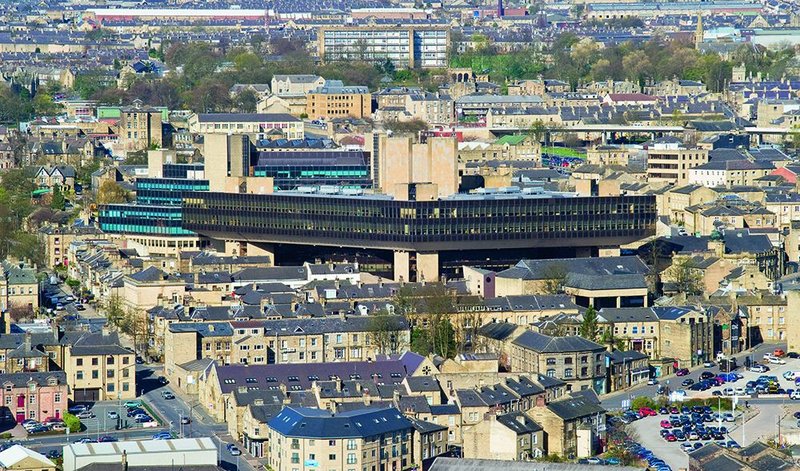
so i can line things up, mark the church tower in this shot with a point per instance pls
(698, 34)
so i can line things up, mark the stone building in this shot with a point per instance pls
(574, 360)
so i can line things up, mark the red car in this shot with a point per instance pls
(646, 411)
(671, 438)
(666, 424)
(779, 352)
(674, 410)
(682, 372)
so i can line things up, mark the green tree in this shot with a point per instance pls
(44, 105)
(72, 422)
(58, 202)
(588, 328)
(246, 101)
(643, 401)
(433, 306)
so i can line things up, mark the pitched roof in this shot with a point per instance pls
(15, 454)
(575, 407)
(317, 423)
(545, 343)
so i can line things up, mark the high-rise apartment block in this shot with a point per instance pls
(405, 46)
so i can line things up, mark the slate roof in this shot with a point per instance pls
(98, 344)
(444, 463)
(299, 377)
(204, 329)
(575, 408)
(603, 266)
(546, 344)
(304, 422)
(519, 423)
(426, 427)
(21, 380)
(422, 384)
(605, 282)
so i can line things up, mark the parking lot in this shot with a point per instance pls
(758, 412)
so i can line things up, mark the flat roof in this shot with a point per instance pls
(142, 447)
(177, 12)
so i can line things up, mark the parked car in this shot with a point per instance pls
(646, 411)
(162, 436)
(53, 454)
(84, 440)
(142, 418)
(233, 449)
(682, 372)
(106, 439)
(133, 404)
(87, 414)
(777, 361)
(687, 382)
(162, 380)
(778, 352)
(706, 375)
(185, 420)
(135, 412)
(80, 307)
(112, 414)
(759, 368)
(78, 408)
(795, 395)
(167, 395)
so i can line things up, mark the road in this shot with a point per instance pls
(614, 401)
(168, 410)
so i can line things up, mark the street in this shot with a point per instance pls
(168, 410)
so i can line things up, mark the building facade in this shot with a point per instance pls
(405, 46)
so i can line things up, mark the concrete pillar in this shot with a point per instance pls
(608, 251)
(428, 266)
(402, 266)
(619, 302)
(260, 250)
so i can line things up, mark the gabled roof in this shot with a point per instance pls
(17, 453)
(575, 408)
(546, 344)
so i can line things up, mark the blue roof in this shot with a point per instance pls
(304, 422)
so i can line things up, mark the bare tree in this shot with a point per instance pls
(383, 332)
(554, 277)
(685, 275)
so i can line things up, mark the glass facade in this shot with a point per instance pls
(136, 219)
(451, 224)
(166, 191)
(181, 170)
(349, 169)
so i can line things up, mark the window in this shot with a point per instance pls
(551, 361)
(79, 374)
(332, 457)
(295, 458)
(109, 373)
(32, 399)
(109, 360)
(568, 361)
(126, 360)
(110, 387)
(57, 397)
(338, 338)
(351, 458)
(551, 373)
(568, 372)
(95, 362)
(95, 374)
(79, 362)
(331, 442)
(125, 387)
(351, 444)
(125, 373)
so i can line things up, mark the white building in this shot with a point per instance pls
(179, 453)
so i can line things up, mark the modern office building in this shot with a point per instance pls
(405, 46)
(467, 224)
(303, 167)
(153, 222)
